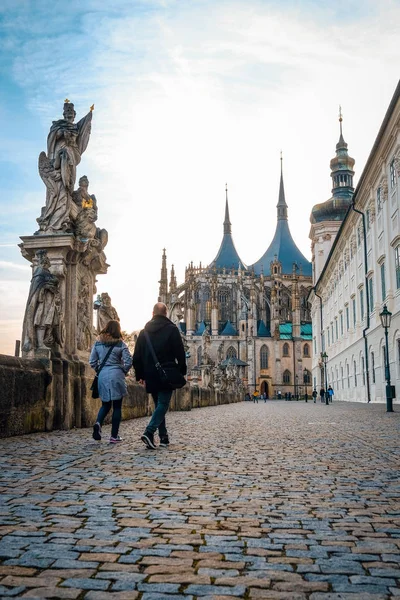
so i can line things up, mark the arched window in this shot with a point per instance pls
(355, 374)
(286, 377)
(264, 357)
(231, 352)
(373, 367)
(203, 303)
(199, 356)
(285, 349)
(306, 350)
(225, 305)
(307, 377)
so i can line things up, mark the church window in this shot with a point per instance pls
(224, 302)
(378, 200)
(392, 172)
(373, 367)
(285, 349)
(355, 374)
(286, 377)
(306, 350)
(383, 281)
(363, 370)
(307, 377)
(397, 265)
(231, 352)
(203, 301)
(354, 312)
(199, 356)
(264, 357)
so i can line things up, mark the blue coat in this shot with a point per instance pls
(112, 385)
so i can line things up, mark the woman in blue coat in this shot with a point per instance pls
(112, 385)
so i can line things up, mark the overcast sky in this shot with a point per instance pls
(189, 95)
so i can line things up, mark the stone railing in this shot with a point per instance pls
(53, 394)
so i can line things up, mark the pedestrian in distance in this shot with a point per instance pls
(322, 394)
(314, 395)
(111, 350)
(264, 397)
(279, 395)
(330, 393)
(306, 397)
(247, 397)
(255, 397)
(168, 347)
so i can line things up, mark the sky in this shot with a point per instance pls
(189, 95)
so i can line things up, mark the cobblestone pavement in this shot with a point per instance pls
(278, 500)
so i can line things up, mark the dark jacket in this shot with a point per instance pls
(168, 346)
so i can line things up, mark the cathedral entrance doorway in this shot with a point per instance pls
(264, 388)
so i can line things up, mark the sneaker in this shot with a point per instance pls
(148, 439)
(115, 440)
(164, 441)
(97, 432)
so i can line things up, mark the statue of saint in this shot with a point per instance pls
(85, 227)
(66, 143)
(105, 311)
(43, 326)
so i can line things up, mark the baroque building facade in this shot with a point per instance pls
(253, 322)
(356, 270)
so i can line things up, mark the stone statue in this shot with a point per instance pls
(85, 228)
(84, 334)
(221, 352)
(66, 143)
(105, 311)
(43, 325)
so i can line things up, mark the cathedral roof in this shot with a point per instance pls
(227, 256)
(262, 330)
(234, 361)
(282, 248)
(229, 329)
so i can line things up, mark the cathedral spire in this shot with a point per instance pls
(172, 281)
(163, 290)
(281, 206)
(227, 223)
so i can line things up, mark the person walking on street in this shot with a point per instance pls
(255, 397)
(168, 347)
(112, 350)
(314, 395)
(322, 394)
(330, 393)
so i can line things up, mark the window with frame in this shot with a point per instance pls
(336, 329)
(383, 281)
(307, 377)
(286, 377)
(371, 294)
(354, 312)
(363, 370)
(341, 374)
(224, 303)
(264, 357)
(378, 200)
(231, 353)
(348, 375)
(306, 350)
(392, 174)
(373, 367)
(347, 318)
(355, 374)
(341, 324)
(361, 304)
(332, 332)
(397, 264)
(285, 349)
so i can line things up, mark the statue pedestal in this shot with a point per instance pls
(75, 263)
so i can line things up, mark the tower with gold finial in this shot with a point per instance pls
(163, 290)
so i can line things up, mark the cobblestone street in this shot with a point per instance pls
(278, 500)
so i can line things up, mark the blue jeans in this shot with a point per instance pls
(116, 416)
(157, 421)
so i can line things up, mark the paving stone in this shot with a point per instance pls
(86, 583)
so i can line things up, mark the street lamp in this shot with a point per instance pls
(386, 317)
(305, 380)
(296, 387)
(324, 357)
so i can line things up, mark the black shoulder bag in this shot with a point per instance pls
(168, 372)
(95, 385)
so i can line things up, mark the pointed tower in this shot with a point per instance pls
(327, 217)
(282, 248)
(172, 281)
(227, 257)
(163, 290)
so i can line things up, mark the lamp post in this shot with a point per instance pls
(386, 317)
(324, 357)
(296, 387)
(305, 380)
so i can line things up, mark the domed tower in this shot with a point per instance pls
(327, 217)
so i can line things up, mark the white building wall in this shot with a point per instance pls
(343, 281)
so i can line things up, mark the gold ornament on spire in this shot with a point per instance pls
(66, 101)
(92, 108)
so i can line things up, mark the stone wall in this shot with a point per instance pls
(42, 395)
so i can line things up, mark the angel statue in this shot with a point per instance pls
(43, 324)
(66, 143)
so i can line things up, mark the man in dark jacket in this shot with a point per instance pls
(168, 347)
